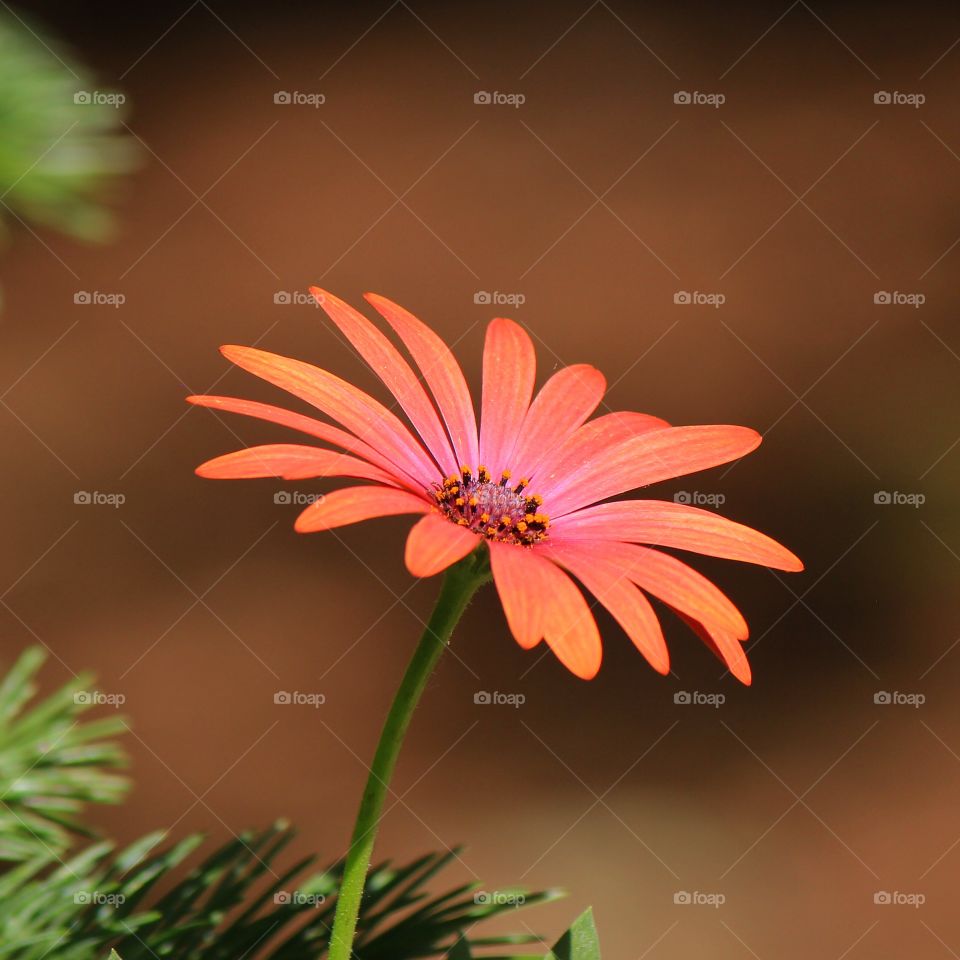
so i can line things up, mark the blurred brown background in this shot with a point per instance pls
(598, 200)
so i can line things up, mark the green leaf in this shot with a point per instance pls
(580, 942)
(61, 136)
(461, 950)
(236, 902)
(154, 900)
(52, 762)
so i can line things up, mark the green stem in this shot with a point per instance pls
(460, 582)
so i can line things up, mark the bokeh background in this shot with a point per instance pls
(586, 209)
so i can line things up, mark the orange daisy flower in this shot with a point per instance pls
(530, 483)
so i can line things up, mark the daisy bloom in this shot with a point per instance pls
(533, 481)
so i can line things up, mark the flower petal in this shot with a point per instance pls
(435, 543)
(587, 445)
(569, 627)
(657, 455)
(726, 647)
(297, 421)
(291, 461)
(442, 373)
(509, 371)
(562, 405)
(385, 360)
(677, 525)
(625, 601)
(518, 574)
(672, 581)
(357, 411)
(355, 504)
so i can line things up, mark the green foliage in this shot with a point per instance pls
(51, 763)
(58, 148)
(147, 902)
(233, 903)
(461, 950)
(580, 942)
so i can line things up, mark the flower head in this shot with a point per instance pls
(534, 483)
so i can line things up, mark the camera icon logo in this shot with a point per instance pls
(282, 496)
(482, 297)
(682, 496)
(882, 897)
(482, 96)
(682, 898)
(682, 297)
(482, 697)
(882, 297)
(82, 96)
(282, 296)
(282, 96)
(81, 296)
(682, 96)
(82, 496)
(683, 697)
(282, 697)
(883, 497)
(882, 96)
(882, 697)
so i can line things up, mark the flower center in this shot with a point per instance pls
(493, 509)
